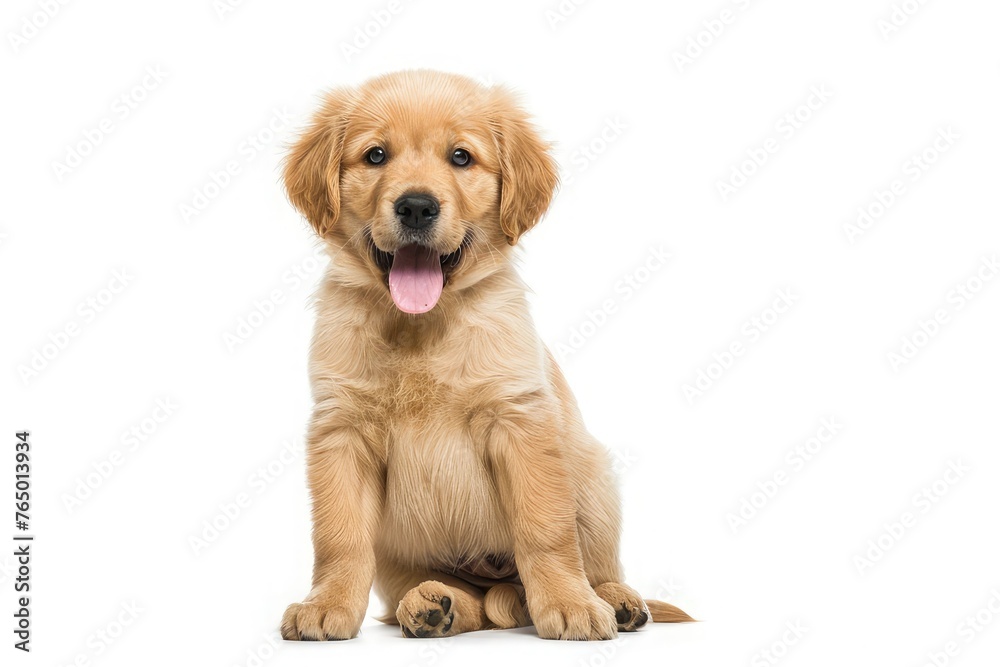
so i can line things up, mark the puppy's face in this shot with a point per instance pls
(421, 180)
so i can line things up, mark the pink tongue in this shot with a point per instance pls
(415, 279)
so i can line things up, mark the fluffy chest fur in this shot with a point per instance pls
(418, 387)
(441, 504)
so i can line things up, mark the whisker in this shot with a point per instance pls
(480, 236)
(365, 229)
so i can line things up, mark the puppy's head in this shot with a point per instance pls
(420, 180)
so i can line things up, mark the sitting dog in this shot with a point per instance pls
(447, 460)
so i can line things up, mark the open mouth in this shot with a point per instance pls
(415, 274)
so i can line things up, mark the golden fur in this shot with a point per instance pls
(448, 443)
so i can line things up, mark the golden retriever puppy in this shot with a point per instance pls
(447, 461)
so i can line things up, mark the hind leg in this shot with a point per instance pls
(506, 607)
(599, 526)
(425, 603)
(631, 611)
(434, 609)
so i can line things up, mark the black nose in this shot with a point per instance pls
(417, 211)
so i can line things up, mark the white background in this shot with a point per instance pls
(674, 131)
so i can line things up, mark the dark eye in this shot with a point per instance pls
(461, 157)
(375, 155)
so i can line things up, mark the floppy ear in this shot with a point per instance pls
(312, 168)
(528, 175)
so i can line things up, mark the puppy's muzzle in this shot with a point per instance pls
(417, 211)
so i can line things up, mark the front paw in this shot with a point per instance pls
(579, 616)
(315, 621)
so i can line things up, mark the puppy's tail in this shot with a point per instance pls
(661, 612)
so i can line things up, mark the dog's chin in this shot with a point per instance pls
(416, 274)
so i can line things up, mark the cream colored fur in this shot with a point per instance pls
(442, 438)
